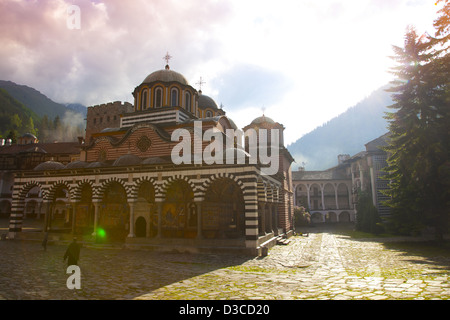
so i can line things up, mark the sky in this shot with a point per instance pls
(300, 62)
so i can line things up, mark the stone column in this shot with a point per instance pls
(131, 234)
(159, 208)
(323, 199)
(96, 207)
(199, 220)
(72, 207)
(336, 196)
(309, 196)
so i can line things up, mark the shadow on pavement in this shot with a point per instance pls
(29, 272)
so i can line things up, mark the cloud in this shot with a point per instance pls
(245, 85)
(117, 45)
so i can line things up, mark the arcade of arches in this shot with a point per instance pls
(174, 213)
(326, 201)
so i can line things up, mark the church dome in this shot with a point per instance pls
(127, 160)
(49, 165)
(262, 119)
(206, 102)
(76, 165)
(166, 75)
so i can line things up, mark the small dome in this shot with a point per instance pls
(262, 119)
(166, 75)
(233, 125)
(206, 102)
(76, 165)
(96, 165)
(153, 160)
(127, 160)
(29, 135)
(49, 165)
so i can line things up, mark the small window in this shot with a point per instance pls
(158, 98)
(144, 99)
(174, 97)
(187, 102)
(209, 114)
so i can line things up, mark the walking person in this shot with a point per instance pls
(44, 242)
(72, 253)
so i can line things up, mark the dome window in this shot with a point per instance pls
(174, 97)
(187, 98)
(158, 98)
(144, 99)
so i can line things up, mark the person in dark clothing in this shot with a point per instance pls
(72, 253)
(44, 242)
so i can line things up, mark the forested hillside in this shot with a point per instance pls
(26, 110)
(344, 134)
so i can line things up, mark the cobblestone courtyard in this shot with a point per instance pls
(323, 265)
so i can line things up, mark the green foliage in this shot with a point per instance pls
(301, 217)
(367, 217)
(419, 146)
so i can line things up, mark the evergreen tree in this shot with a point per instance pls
(418, 163)
(367, 218)
(29, 127)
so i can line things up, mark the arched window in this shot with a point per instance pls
(187, 101)
(209, 114)
(144, 99)
(174, 97)
(158, 98)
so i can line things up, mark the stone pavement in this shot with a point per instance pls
(323, 265)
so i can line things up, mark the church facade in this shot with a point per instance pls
(126, 188)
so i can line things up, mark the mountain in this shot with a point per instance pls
(34, 100)
(344, 134)
(24, 109)
(14, 115)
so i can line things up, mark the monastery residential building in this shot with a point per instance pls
(330, 195)
(124, 186)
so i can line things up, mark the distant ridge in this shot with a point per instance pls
(344, 134)
(34, 100)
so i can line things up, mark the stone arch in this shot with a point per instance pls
(167, 183)
(331, 216)
(56, 187)
(179, 216)
(301, 195)
(144, 193)
(211, 179)
(140, 227)
(101, 190)
(60, 215)
(223, 212)
(138, 183)
(77, 190)
(114, 210)
(28, 186)
(343, 196)
(84, 209)
(316, 217)
(329, 196)
(315, 194)
(344, 216)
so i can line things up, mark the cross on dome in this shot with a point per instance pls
(167, 57)
(200, 83)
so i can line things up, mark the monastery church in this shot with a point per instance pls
(123, 186)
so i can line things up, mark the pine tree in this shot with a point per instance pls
(418, 163)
